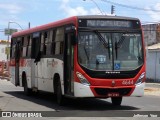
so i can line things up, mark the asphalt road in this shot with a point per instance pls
(13, 99)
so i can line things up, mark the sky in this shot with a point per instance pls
(39, 12)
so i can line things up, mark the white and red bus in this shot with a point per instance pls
(81, 56)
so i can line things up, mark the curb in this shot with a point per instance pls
(5, 78)
(153, 84)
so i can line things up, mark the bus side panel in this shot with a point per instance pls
(47, 68)
(25, 68)
(45, 75)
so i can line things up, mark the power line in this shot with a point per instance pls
(131, 7)
(96, 6)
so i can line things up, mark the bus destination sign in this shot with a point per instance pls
(109, 23)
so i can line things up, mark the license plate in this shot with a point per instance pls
(113, 94)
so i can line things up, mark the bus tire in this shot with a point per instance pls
(60, 98)
(27, 91)
(116, 101)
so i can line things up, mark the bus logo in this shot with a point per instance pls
(113, 83)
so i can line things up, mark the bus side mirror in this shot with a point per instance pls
(73, 39)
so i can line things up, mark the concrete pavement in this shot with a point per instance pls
(152, 89)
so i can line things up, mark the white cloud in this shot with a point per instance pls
(9, 12)
(96, 11)
(79, 10)
(75, 11)
(11, 8)
(153, 14)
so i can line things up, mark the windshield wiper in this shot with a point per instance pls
(86, 53)
(116, 48)
(102, 39)
(119, 44)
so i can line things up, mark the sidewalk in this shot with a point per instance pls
(152, 89)
(4, 78)
(157, 84)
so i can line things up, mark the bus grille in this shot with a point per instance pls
(105, 91)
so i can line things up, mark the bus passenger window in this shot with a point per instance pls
(59, 40)
(25, 43)
(45, 43)
(42, 42)
(57, 50)
(49, 43)
(53, 43)
(29, 46)
(20, 46)
(42, 47)
(13, 44)
(24, 52)
(61, 47)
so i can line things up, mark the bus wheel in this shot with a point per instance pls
(116, 101)
(27, 91)
(60, 97)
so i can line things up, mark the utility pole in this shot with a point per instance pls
(112, 9)
(29, 25)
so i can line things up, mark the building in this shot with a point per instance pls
(151, 33)
(153, 63)
(152, 40)
(3, 50)
(4, 74)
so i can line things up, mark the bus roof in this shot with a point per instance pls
(106, 17)
(46, 26)
(67, 21)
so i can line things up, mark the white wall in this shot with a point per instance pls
(153, 65)
(150, 34)
(3, 56)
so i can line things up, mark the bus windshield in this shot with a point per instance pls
(105, 51)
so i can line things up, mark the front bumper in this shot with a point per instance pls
(81, 90)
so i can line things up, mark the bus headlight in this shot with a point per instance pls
(83, 80)
(140, 79)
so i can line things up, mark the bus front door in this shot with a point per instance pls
(17, 62)
(68, 64)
